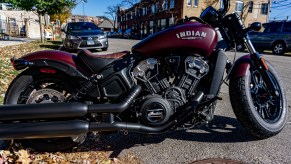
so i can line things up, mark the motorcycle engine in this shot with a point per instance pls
(167, 94)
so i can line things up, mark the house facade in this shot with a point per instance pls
(82, 18)
(150, 16)
(11, 21)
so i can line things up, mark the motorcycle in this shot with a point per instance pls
(169, 81)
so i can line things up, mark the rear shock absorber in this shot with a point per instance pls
(86, 87)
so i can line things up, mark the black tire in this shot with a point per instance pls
(104, 49)
(279, 48)
(260, 114)
(24, 85)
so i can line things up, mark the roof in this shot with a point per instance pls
(106, 24)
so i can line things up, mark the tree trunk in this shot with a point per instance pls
(41, 28)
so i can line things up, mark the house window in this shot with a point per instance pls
(171, 21)
(251, 7)
(157, 7)
(239, 6)
(151, 27)
(264, 9)
(163, 24)
(172, 4)
(189, 2)
(153, 8)
(165, 5)
(196, 2)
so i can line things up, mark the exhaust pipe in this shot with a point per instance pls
(76, 127)
(63, 110)
(43, 129)
(69, 129)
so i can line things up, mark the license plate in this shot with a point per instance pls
(90, 42)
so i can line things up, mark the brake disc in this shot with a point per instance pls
(52, 96)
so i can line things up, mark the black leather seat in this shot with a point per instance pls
(96, 62)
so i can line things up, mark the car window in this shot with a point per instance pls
(273, 27)
(287, 27)
(80, 26)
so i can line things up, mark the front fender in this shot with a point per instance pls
(240, 67)
(63, 61)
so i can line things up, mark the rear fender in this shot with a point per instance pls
(240, 67)
(58, 60)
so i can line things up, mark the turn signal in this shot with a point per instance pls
(264, 63)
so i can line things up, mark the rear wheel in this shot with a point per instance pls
(30, 88)
(262, 114)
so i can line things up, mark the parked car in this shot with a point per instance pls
(131, 34)
(276, 37)
(84, 35)
(119, 34)
(111, 34)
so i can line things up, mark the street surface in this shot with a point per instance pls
(14, 41)
(223, 138)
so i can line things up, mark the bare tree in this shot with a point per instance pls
(112, 12)
(130, 3)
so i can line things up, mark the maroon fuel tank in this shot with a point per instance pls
(191, 37)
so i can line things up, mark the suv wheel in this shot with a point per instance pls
(279, 48)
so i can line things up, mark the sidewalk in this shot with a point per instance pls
(14, 41)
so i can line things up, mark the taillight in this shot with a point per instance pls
(47, 70)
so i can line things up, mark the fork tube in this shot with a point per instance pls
(259, 63)
(249, 45)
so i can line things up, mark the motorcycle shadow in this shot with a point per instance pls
(221, 130)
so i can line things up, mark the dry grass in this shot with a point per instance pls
(7, 73)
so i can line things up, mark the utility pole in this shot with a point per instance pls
(83, 8)
(269, 7)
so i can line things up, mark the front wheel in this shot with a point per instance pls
(262, 114)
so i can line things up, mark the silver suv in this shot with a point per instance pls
(276, 37)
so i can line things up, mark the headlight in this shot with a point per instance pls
(102, 36)
(72, 37)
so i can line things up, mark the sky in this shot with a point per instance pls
(94, 7)
(280, 8)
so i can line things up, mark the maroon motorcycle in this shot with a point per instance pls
(168, 81)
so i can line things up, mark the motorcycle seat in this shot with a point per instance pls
(96, 62)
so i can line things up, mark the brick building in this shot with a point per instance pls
(150, 16)
(81, 18)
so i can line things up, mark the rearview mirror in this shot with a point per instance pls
(256, 26)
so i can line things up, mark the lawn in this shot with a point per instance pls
(93, 150)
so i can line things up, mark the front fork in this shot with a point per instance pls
(258, 62)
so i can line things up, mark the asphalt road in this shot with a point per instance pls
(223, 138)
